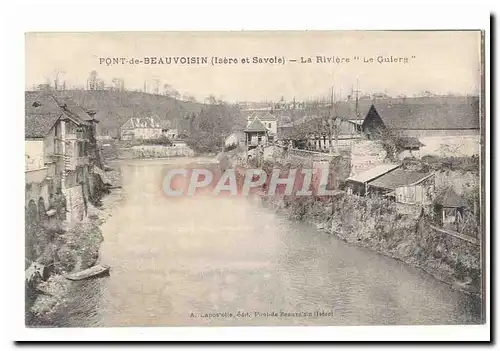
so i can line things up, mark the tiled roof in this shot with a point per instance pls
(256, 126)
(263, 116)
(142, 122)
(38, 125)
(40, 102)
(372, 173)
(72, 107)
(399, 177)
(437, 113)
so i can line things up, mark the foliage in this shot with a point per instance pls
(210, 126)
(162, 140)
(465, 163)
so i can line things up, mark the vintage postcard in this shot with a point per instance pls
(254, 178)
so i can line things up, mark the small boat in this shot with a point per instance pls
(91, 272)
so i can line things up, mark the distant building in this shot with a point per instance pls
(256, 133)
(141, 128)
(445, 126)
(269, 121)
(436, 125)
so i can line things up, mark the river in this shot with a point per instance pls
(178, 262)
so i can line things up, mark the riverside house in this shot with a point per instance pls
(440, 126)
(268, 120)
(141, 128)
(61, 158)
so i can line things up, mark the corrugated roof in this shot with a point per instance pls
(399, 177)
(372, 173)
(256, 126)
(38, 125)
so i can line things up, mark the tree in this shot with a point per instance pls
(118, 84)
(166, 89)
(156, 86)
(175, 94)
(211, 100)
(208, 128)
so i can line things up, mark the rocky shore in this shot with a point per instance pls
(72, 250)
(378, 226)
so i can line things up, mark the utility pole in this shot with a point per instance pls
(357, 99)
(330, 123)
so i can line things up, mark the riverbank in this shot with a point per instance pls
(69, 251)
(403, 232)
(377, 225)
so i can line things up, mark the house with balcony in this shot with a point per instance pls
(61, 156)
(268, 120)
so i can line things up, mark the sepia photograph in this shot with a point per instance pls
(254, 178)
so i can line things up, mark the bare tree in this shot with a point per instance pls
(175, 94)
(56, 75)
(156, 86)
(211, 99)
(118, 84)
(166, 89)
(92, 81)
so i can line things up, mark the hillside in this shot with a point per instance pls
(114, 108)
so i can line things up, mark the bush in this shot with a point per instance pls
(162, 140)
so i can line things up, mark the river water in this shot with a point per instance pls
(180, 262)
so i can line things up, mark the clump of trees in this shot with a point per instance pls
(162, 140)
(211, 125)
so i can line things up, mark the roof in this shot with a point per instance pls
(372, 173)
(431, 113)
(356, 121)
(449, 198)
(284, 120)
(311, 124)
(41, 102)
(256, 126)
(72, 107)
(38, 125)
(400, 177)
(142, 122)
(263, 116)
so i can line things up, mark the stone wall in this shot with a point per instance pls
(159, 151)
(366, 154)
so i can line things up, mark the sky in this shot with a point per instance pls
(437, 61)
